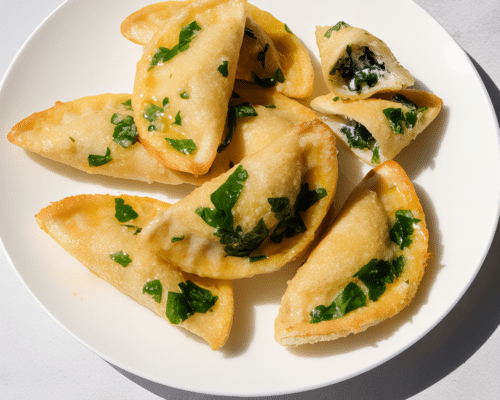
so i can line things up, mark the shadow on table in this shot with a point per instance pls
(450, 344)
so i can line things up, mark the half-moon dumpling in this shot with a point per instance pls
(356, 64)
(103, 232)
(256, 217)
(378, 128)
(269, 52)
(367, 267)
(184, 81)
(80, 132)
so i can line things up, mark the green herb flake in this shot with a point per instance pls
(192, 299)
(128, 104)
(250, 33)
(271, 81)
(288, 29)
(184, 95)
(137, 229)
(177, 239)
(257, 258)
(224, 69)
(396, 118)
(338, 26)
(177, 119)
(125, 133)
(164, 54)
(290, 222)
(270, 106)
(124, 212)
(377, 273)
(411, 116)
(185, 146)
(165, 102)
(96, 160)
(402, 229)
(233, 113)
(153, 112)
(261, 56)
(336, 98)
(350, 299)
(153, 288)
(73, 140)
(121, 258)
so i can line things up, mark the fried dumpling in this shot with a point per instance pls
(184, 81)
(270, 52)
(378, 128)
(367, 267)
(103, 232)
(356, 64)
(71, 132)
(256, 217)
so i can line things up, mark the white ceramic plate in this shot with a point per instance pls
(454, 165)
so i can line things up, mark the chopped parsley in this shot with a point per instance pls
(290, 222)
(96, 160)
(402, 229)
(223, 69)
(128, 104)
(377, 273)
(233, 113)
(177, 239)
(73, 140)
(250, 33)
(351, 298)
(257, 258)
(185, 146)
(137, 229)
(184, 95)
(192, 299)
(337, 98)
(271, 81)
(396, 118)
(164, 54)
(337, 27)
(288, 29)
(177, 119)
(261, 56)
(152, 113)
(270, 106)
(153, 288)
(125, 133)
(124, 212)
(121, 258)
(165, 101)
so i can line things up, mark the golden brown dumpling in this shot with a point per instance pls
(184, 81)
(356, 64)
(378, 128)
(103, 232)
(366, 269)
(256, 217)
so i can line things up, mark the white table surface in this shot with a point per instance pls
(459, 359)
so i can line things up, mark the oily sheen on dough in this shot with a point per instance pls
(86, 227)
(359, 234)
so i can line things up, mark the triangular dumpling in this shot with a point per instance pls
(356, 64)
(256, 217)
(103, 232)
(71, 132)
(184, 81)
(268, 47)
(367, 267)
(378, 128)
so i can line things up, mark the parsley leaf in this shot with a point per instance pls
(177, 239)
(192, 299)
(402, 230)
(152, 113)
(137, 229)
(271, 81)
(288, 29)
(377, 273)
(233, 113)
(223, 69)
(128, 104)
(125, 133)
(164, 54)
(178, 119)
(396, 118)
(351, 298)
(96, 160)
(261, 56)
(124, 212)
(185, 146)
(184, 95)
(153, 288)
(250, 33)
(121, 258)
(338, 26)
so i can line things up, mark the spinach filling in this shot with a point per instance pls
(192, 299)
(360, 72)
(233, 114)
(240, 244)
(359, 137)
